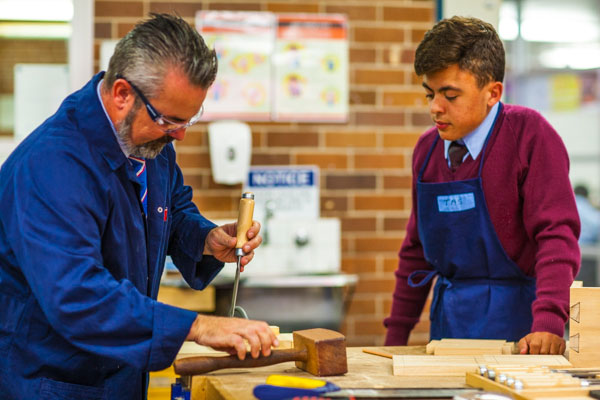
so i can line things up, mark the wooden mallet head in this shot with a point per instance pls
(321, 352)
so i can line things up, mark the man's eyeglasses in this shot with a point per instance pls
(166, 124)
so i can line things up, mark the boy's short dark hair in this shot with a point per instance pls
(469, 42)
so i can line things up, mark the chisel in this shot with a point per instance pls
(244, 223)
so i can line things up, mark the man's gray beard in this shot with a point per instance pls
(146, 150)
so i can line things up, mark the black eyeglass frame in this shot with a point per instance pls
(157, 117)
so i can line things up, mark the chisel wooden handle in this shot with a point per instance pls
(244, 221)
(203, 364)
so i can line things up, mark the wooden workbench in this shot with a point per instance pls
(364, 371)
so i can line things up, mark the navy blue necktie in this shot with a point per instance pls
(139, 167)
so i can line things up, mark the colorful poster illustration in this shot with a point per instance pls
(244, 44)
(311, 68)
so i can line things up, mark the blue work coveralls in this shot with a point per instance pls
(80, 264)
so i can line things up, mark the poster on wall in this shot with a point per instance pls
(244, 43)
(311, 68)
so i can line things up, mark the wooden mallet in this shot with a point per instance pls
(321, 352)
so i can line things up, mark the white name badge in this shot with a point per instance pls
(456, 202)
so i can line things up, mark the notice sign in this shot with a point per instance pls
(290, 191)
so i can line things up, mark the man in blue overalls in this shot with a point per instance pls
(494, 215)
(92, 203)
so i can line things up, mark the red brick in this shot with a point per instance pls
(420, 119)
(293, 7)
(351, 181)
(372, 327)
(400, 139)
(270, 159)
(362, 97)
(397, 182)
(375, 285)
(324, 161)
(332, 203)
(378, 35)
(235, 6)
(354, 13)
(380, 118)
(292, 139)
(123, 28)
(390, 264)
(378, 202)
(362, 55)
(388, 242)
(359, 306)
(118, 9)
(196, 181)
(407, 98)
(193, 160)
(185, 10)
(378, 161)
(418, 34)
(413, 14)
(217, 203)
(358, 264)
(394, 224)
(358, 224)
(102, 30)
(378, 76)
(351, 139)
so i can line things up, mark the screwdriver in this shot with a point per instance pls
(244, 223)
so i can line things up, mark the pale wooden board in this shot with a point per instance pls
(569, 393)
(192, 349)
(584, 327)
(469, 347)
(429, 365)
(365, 371)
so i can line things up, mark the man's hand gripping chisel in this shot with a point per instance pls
(244, 223)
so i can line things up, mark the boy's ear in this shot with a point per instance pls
(495, 91)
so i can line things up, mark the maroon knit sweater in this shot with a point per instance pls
(531, 205)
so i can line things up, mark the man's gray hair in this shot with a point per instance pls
(158, 44)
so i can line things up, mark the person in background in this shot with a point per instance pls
(589, 215)
(493, 214)
(93, 201)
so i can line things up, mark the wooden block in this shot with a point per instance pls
(430, 348)
(274, 329)
(286, 341)
(584, 327)
(429, 365)
(469, 347)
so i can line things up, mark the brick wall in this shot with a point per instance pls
(365, 164)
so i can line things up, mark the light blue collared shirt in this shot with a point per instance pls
(121, 145)
(476, 139)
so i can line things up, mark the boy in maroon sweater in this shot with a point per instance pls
(493, 216)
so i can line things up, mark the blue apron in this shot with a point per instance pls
(480, 292)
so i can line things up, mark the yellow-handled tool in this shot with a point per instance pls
(244, 222)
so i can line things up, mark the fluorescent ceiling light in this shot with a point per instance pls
(36, 10)
(508, 27)
(574, 57)
(559, 23)
(45, 30)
